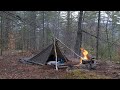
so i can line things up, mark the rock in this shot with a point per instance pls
(83, 66)
(94, 66)
(117, 62)
(1, 57)
(114, 73)
(119, 74)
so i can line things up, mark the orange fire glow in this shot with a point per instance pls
(85, 55)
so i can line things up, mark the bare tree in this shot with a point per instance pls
(79, 34)
(32, 25)
(66, 32)
(98, 28)
(58, 30)
(1, 38)
(109, 53)
(43, 14)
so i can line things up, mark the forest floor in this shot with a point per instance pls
(11, 68)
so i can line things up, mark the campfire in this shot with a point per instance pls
(84, 54)
(86, 59)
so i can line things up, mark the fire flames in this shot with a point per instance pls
(85, 55)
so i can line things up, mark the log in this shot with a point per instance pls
(87, 61)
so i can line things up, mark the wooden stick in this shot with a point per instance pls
(55, 55)
(69, 48)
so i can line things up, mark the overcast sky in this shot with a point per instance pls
(75, 14)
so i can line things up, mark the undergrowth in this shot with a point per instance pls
(77, 74)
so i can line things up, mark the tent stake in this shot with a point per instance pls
(55, 55)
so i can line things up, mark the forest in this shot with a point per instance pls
(26, 33)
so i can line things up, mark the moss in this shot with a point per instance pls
(77, 74)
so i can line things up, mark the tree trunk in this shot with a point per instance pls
(7, 28)
(79, 35)
(97, 43)
(109, 53)
(67, 33)
(32, 19)
(1, 38)
(43, 14)
(58, 25)
(47, 33)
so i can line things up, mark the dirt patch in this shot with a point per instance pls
(11, 68)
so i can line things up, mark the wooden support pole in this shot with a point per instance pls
(55, 55)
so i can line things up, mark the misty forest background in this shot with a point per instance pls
(31, 31)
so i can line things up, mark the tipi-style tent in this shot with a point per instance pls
(44, 56)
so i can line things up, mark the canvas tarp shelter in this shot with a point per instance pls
(43, 57)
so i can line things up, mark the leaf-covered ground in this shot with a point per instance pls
(11, 68)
